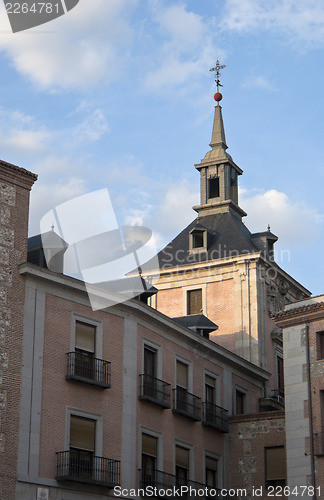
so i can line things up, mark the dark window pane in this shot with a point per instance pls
(213, 188)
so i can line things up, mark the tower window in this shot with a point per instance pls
(233, 189)
(213, 187)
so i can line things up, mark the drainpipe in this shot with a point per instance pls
(310, 411)
(249, 306)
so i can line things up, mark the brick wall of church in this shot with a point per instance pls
(15, 185)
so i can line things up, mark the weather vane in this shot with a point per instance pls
(218, 96)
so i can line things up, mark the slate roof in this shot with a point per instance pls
(197, 322)
(227, 236)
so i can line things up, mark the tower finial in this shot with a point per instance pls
(218, 96)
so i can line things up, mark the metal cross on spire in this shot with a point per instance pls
(217, 69)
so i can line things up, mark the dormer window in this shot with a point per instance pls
(213, 187)
(198, 240)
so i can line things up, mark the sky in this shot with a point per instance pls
(118, 94)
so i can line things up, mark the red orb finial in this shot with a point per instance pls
(218, 96)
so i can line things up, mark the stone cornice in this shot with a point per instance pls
(299, 315)
(13, 174)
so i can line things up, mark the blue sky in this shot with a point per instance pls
(118, 94)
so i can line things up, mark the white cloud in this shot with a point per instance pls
(19, 133)
(187, 49)
(184, 28)
(299, 19)
(288, 219)
(47, 195)
(93, 127)
(25, 140)
(77, 50)
(258, 82)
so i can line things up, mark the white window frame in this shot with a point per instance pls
(156, 434)
(98, 335)
(78, 412)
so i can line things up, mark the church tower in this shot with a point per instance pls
(218, 175)
(216, 272)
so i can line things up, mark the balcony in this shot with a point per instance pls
(84, 467)
(86, 368)
(164, 481)
(187, 404)
(215, 416)
(273, 400)
(155, 391)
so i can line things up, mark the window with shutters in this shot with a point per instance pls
(280, 375)
(82, 459)
(211, 472)
(82, 446)
(194, 301)
(150, 361)
(275, 466)
(182, 465)
(84, 359)
(210, 390)
(181, 386)
(152, 388)
(185, 403)
(240, 401)
(149, 459)
(85, 336)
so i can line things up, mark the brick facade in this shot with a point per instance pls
(15, 184)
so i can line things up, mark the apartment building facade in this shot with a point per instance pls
(302, 324)
(124, 396)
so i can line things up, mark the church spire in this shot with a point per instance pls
(218, 172)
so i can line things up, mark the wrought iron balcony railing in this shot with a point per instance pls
(86, 368)
(215, 416)
(163, 481)
(155, 390)
(272, 400)
(278, 395)
(187, 404)
(84, 467)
